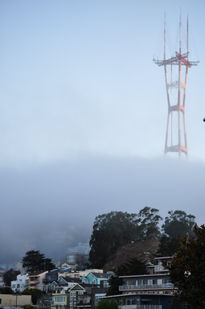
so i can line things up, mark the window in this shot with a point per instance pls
(59, 299)
(150, 282)
(159, 281)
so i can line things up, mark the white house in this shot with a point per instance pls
(20, 284)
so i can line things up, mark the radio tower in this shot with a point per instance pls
(176, 138)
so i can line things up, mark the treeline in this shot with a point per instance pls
(116, 229)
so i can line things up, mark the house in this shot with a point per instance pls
(60, 283)
(37, 281)
(20, 284)
(94, 292)
(78, 274)
(100, 279)
(60, 301)
(50, 281)
(160, 264)
(149, 283)
(145, 301)
(152, 290)
(51, 276)
(68, 297)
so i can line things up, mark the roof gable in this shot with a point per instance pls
(77, 287)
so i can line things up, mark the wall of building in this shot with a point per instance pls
(7, 300)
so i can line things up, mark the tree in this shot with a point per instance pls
(35, 262)
(176, 225)
(148, 219)
(168, 246)
(107, 304)
(187, 270)
(132, 267)
(6, 290)
(36, 294)
(9, 276)
(116, 228)
(110, 231)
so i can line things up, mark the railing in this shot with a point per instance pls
(140, 307)
(34, 281)
(146, 286)
(160, 268)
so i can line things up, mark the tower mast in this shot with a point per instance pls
(176, 138)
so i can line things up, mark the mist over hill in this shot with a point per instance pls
(52, 207)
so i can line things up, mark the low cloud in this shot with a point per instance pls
(52, 207)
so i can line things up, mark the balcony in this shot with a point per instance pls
(141, 307)
(34, 281)
(160, 268)
(146, 287)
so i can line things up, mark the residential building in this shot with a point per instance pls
(60, 301)
(145, 301)
(37, 281)
(20, 284)
(149, 283)
(78, 274)
(69, 297)
(99, 279)
(160, 264)
(148, 291)
(51, 276)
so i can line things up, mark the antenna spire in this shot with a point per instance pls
(187, 35)
(176, 138)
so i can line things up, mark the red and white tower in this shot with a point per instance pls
(176, 77)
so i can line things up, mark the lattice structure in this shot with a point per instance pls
(176, 138)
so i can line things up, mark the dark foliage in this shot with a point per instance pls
(148, 221)
(187, 271)
(132, 267)
(10, 275)
(176, 225)
(115, 229)
(107, 304)
(168, 246)
(6, 290)
(35, 262)
(36, 295)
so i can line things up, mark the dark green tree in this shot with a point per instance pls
(168, 245)
(107, 304)
(9, 276)
(187, 270)
(36, 295)
(116, 228)
(176, 225)
(6, 290)
(35, 262)
(132, 267)
(148, 219)
(110, 231)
